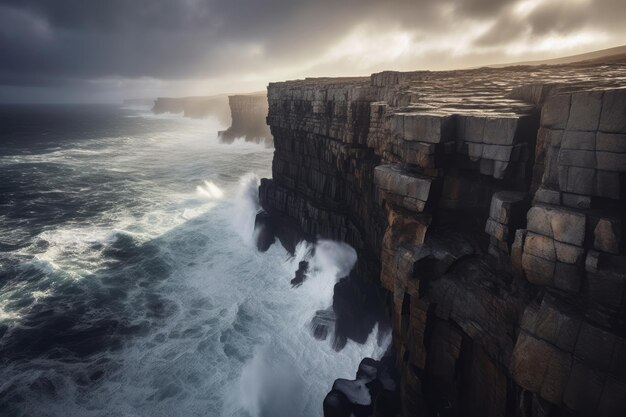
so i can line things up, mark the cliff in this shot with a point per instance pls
(489, 206)
(138, 102)
(195, 107)
(248, 112)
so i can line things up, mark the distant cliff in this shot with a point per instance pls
(195, 107)
(489, 205)
(248, 113)
(138, 102)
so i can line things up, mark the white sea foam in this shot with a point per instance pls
(210, 190)
(223, 332)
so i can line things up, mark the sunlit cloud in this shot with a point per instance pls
(556, 42)
(198, 47)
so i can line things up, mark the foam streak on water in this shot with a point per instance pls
(130, 284)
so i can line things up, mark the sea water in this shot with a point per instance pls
(130, 283)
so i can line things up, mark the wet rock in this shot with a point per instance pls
(303, 267)
(372, 392)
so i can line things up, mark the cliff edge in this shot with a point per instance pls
(248, 113)
(489, 204)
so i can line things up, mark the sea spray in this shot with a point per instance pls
(246, 207)
(158, 303)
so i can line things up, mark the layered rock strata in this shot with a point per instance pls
(195, 107)
(490, 206)
(248, 112)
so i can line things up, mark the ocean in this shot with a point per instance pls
(130, 282)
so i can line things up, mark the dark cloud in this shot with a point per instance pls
(555, 18)
(51, 43)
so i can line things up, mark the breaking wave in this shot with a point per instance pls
(142, 294)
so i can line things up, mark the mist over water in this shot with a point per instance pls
(130, 284)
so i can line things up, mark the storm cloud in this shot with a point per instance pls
(73, 49)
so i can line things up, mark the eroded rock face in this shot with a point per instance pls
(490, 210)
(248, 113)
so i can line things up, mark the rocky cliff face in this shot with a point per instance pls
(248, 113)
(195, 107)
(489, 205)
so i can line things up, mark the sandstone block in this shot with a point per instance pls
(555, 111)
(430, 128)
(395, 124)
(569, 254)
(497, 230)
(607, 235)
(393, 179)
(611, 142)
(579, 140)
(568, 227)
(538, 271)
(506, 206)
(543, 195)
(500, 130)
(540, 246)
(578, 180)
(585, 111)
(500, 152)
(565, 226)
(576, 201)
(613, 117)
(556, 326)
(539, 221)
(530, 317)
(539, 367)
(499, 169)
(413, 204)
(611, 161)
(577, 158)
(471, 128)
(418, 153)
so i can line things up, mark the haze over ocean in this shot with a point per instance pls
(129, 279)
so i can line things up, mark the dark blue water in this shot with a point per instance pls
(129, 281)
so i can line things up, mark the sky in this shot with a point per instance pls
(108, 50)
